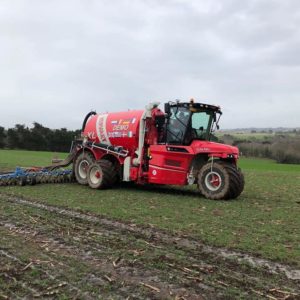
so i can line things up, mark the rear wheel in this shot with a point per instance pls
(101, 174)
(220, 180)
(81, 165)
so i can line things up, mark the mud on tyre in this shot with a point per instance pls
(220, 180)
(102, 174)
(81, 165)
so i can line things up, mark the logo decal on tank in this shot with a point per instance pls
(115, 134)
(125, 121)
(91, 135)
(101, 129)
(120, 127)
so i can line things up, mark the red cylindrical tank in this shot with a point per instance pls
(117, 129)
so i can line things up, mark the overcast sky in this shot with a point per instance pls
(61, 58)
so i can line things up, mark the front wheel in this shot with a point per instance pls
(220, 181)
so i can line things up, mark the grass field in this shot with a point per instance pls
(248, 136)
(9, 159)
(255, 136)
(266, 165)
(264, 221)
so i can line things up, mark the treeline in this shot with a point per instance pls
(38, 138)
(283, 148)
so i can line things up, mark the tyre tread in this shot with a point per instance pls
(233, 177)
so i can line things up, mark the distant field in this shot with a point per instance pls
(259, 164)
(255, 135)
(9, 159)
(248, 136)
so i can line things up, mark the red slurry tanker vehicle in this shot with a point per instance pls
(151, 146)
(147, 146)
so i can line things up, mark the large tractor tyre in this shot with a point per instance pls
(81, 165)
(237, 180)
(116, 175)
(220, 181)
(102, 174)
(242, 182)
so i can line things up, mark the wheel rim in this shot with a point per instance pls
(82, 168)
(95, 175)
(213, 181)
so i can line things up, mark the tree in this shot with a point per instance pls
(23, 134)
(12, 138)
(38, 138)
(2, 137)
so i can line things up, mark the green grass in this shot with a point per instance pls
(9, 159)
(264, 220)
(260, 164)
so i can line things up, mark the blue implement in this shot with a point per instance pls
(22, 176)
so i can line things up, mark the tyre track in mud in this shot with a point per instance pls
(201, 272)
(111, 274)
(8, 274)
(131, 274)
(27, 286)
(158, 235)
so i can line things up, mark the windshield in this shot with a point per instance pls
(185, 125)
(201, 124)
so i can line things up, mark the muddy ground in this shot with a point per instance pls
(55, 253)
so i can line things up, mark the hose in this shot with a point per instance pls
(91, 113)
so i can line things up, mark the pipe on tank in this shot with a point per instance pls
(147, 114)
